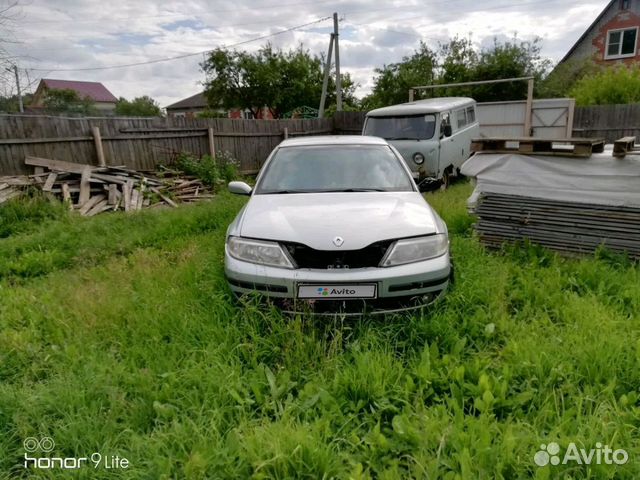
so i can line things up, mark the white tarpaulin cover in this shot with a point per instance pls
(601, 179)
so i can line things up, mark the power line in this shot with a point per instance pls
(178, 57)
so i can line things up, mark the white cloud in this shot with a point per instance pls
(72, 34)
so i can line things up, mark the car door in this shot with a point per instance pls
(448, 149)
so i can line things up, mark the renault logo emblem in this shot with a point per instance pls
(338, 241)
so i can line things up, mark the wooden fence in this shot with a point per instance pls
(143, 143)
(610, 122)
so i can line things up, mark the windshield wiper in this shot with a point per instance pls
(403, 138)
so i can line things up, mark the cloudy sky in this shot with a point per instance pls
(60, 38)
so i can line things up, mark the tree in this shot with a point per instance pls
(456, 62)
(69, 102)
(10, 104)
(138, 107)
(393, 81)
(560, 81)
(608, 87)
(508, 60)
(281, 81)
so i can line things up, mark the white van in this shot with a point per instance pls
(433, 136)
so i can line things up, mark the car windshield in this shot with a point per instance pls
(414, 127)
(334, 168)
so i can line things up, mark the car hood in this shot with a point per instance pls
(316, 219)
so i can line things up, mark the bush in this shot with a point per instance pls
(212, 171)
(610, 86)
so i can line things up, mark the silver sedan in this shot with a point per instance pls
(337, 224)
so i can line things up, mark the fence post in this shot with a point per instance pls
(286, 133)
(212, 145)
(529, 109)
(98, 141)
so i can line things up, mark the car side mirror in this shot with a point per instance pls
(447, 131)
(240, 188)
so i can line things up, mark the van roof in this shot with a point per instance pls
(431, 105)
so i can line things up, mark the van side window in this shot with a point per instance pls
(461, 117)
(471, 115)
(445, 121)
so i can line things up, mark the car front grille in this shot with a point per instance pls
(307, 257)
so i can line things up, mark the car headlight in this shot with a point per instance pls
(258, 251)
(417, 249)
(418, 158)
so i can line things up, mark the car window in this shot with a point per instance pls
(471, 114)
(413, 127)
(322, 168)
(461, 118)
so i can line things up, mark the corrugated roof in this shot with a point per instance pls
(195, 101)
(94, 90)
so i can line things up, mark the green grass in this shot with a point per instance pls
(118, 335)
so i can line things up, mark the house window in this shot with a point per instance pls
(621, 43)
(624, 4)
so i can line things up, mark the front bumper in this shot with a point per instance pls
(411, 280)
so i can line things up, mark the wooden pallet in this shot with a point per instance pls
(624, 146)
(566, 147)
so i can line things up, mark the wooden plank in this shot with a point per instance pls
(164, 198)
(113, 194)
(99, 207)
(48, 184)
(98, 142)
(66, 195)
(85, 186)
(135, 195)
(126, 193)
(89, 204)
(58, 165)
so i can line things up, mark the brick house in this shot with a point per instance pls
(102, 98)
(612, 38)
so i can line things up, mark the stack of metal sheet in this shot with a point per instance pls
(559, 225)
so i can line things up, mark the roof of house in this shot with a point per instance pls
(586, 32)
(94, 90)
(199, 100)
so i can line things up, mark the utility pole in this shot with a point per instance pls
(325, 80)
(338, 79)
(15, 70)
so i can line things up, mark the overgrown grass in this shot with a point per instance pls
(118, 336)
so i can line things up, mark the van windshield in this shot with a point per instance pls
(414, 127)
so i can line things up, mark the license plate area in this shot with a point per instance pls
(337, 291)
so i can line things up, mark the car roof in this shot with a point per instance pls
(333, 140)
(431, 105)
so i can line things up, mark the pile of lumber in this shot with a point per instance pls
(91, 190)
(569, 227)
(12, 187)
